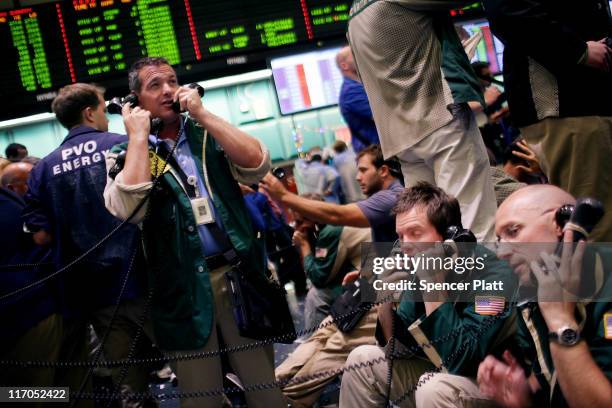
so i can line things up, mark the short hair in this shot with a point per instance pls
(12, 150)
(443, 210)
(339, 146)
(72, 99)
(378, 160)
(133, 78)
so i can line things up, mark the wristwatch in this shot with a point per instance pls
(566, 336)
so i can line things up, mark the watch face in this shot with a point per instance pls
(568, 336)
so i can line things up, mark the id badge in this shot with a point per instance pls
(202, 211)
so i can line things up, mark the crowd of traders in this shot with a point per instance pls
(131, 246)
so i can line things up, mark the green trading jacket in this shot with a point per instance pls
(459, 337)
(337, 251)
(594, 317)
(182, 306)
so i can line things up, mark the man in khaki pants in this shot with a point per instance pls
(419, 82)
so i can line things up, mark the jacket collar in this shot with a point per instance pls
(79, 130)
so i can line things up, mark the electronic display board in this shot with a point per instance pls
(490, 49)
(48, 44)
(307, 80)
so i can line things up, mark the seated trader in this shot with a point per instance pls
(328, 252)
(65, 208)
(327, 349)
(574, 370)
(193, 217)
(423, 214)
(379, 180)
(31, 320)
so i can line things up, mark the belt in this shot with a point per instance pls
(215, 261)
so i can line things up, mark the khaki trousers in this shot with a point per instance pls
(366, 386)
(326, 350)
(576, 154)
(450, 391)
(252, 367)
(455, 159)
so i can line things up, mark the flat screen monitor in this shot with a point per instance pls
(490, 48)
(308, 80)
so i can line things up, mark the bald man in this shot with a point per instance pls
(354, 105)
(15, 177)
(31, 323)
(564, 349)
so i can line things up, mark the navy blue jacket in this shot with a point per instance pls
(23, 311)
(65, 198)
(356, 111)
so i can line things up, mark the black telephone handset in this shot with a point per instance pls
(581, 218)
(457, 234)
(116, 105)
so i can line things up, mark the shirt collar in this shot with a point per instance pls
(182, 138)
(79, 130)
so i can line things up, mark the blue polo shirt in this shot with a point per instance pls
(65, 198)
(355, 110)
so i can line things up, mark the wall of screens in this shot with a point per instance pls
(47, 44)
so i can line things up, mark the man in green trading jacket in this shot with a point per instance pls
(195, 214)
(573, 369)
(443, 332)
(329, 252)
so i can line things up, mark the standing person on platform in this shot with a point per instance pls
(193, 221)
(557, 70)
(354, 105)
(419, 82)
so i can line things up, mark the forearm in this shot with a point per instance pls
(242, 149)
(137, 168)
(326, 213)
(584, 384)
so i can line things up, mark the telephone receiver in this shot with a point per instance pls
(581, 218)
(116, 105)
(457, 234)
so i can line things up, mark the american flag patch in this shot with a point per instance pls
(608, 326)
(489, 305)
